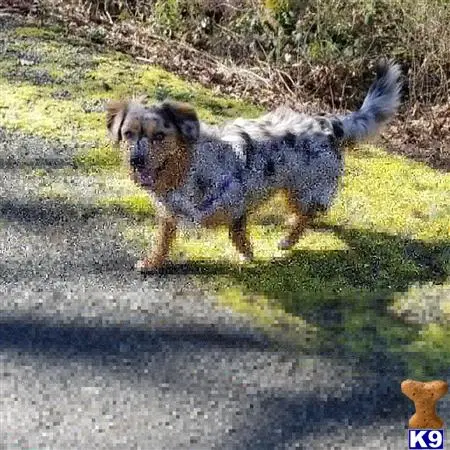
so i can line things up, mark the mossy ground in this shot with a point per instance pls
(349, 287)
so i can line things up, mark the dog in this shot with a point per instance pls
(207, 175)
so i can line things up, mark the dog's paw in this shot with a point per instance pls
(245, 258)
(285, 244)
(147, 265)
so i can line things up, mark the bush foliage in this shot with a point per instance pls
(324, 43)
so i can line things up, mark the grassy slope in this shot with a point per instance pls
(379, 257)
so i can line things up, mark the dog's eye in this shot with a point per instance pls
(128, 134)
(158, 137)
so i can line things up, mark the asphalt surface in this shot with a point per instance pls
(93, 356)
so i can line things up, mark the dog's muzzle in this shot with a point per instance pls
(143, 175)
(138, 156)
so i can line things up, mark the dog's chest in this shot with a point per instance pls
(214, 183)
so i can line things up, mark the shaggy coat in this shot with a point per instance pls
(206, 175)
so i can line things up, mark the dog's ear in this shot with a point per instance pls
(143, 99)
(184, 118)
(116, 112)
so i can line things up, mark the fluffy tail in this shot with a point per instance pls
(379, 106)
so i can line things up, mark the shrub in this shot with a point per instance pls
(325, 45)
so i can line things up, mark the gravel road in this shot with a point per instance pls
(93, 356)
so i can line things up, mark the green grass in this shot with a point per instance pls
(351, 287)
(88, 78)
(345, 287)
(98, 159)
(135, 205)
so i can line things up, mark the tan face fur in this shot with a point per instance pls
(169, 128)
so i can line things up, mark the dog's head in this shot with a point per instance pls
(157, 138)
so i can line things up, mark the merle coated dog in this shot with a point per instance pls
(212, 175)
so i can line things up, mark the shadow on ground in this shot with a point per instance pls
(169, 356)
(44, 213)
(36, 163)
(122, 341)
(54, 238)
(347, 293)
(291, 419)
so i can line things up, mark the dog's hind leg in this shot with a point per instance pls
(238, 235)
(298, 224)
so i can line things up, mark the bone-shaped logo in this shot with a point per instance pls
(425, 396)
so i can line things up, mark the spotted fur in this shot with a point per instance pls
(207, 175)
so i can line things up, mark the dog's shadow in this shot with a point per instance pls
(372, 260)
(345, 293)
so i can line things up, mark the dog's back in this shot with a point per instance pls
(287, 149)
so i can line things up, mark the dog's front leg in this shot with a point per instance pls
(165, 235)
